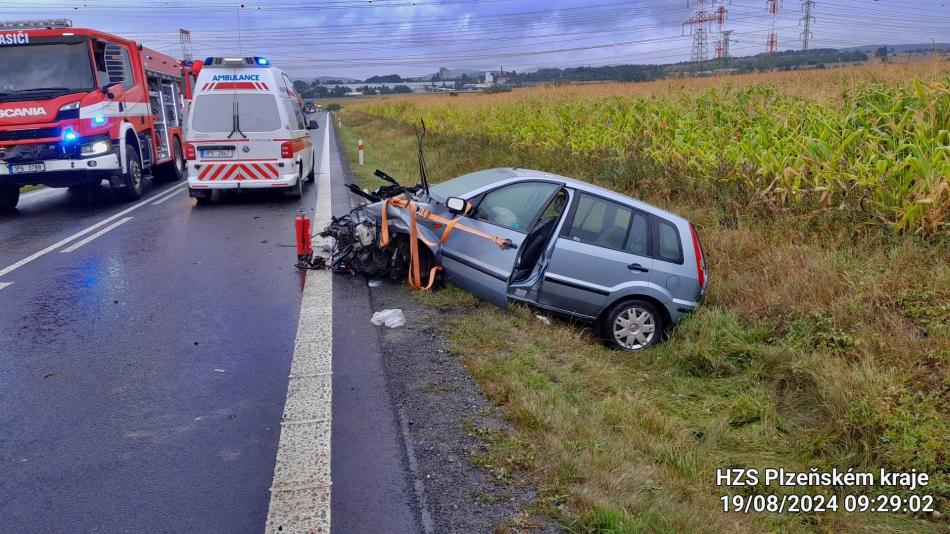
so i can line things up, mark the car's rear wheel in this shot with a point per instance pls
(9, 197)
(632, 325)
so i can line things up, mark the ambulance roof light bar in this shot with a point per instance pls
(256, 61)
(35, 24)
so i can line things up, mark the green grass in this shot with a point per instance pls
(820, 344)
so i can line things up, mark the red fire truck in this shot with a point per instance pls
(79, 106)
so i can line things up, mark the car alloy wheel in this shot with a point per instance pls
(634, 328)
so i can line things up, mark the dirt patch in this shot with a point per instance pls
(444, 416)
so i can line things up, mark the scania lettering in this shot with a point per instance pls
(101, 108)
(22, 112)
(246, 130)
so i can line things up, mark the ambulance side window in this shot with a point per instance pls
(301, 118)
(294, 115)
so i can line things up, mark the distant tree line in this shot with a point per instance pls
(788, 60)
(317, 90)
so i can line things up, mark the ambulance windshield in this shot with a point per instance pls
(214, 113)
(44, 70)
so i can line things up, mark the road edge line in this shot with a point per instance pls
(300, 491)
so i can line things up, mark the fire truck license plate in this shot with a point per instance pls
(217, 152)
(28, 167)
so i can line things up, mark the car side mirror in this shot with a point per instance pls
(313, 126)
(455, 205)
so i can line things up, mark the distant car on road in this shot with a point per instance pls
(576, 249)
(246, 130)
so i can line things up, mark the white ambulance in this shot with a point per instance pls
(246, 130)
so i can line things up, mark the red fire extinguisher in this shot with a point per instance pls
(304, 246)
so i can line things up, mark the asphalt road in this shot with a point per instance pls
(144, 371)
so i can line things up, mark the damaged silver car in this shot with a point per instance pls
(519, 235)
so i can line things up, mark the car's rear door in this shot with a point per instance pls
(603, 246)
(477, 264)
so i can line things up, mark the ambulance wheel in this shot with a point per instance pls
(9, 197)
(132, 178)
(313, 173)
(201, 196)
(296, 191)
(174, 170)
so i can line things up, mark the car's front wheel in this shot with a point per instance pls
(632, 325)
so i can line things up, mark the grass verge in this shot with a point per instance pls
(819, 345)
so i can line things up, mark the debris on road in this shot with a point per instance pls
(391, 318)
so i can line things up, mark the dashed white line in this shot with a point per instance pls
(5, 284)
(77, 235)
(100, 233)
(168, 196)
(300, 492)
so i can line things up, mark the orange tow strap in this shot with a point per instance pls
(415, 279)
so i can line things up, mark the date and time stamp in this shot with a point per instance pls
(772, 490)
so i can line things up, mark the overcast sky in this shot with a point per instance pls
(360, 38)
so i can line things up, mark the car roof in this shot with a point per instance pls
(492, 178)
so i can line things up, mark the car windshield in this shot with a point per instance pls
(215, 113)
(459, 187)
(54, 68)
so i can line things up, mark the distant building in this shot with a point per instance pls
(444, 73)
(489, 78)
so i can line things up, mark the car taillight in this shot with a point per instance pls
(700, 260)
(190, 153)
(286, 150)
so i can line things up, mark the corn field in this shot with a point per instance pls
(883, 147)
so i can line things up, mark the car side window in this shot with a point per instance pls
(670, 248)
(637, 242)
(515, 206)
(600, 223)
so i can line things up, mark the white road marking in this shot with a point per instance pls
(5, 284)
(100, 233)
(168, 196)
(77, 235)
(300, 492)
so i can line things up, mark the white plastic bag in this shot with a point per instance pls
(390, 318)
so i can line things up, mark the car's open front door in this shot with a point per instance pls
(478, 264)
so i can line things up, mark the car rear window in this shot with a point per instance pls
(214, 113)
(670, 248)
(600, 222)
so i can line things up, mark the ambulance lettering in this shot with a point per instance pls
(21, 112)
(236, 78)
(14, 38)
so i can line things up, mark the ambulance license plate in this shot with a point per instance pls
(217, 152)
(27, 167)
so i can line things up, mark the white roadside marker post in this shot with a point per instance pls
(361, 152)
